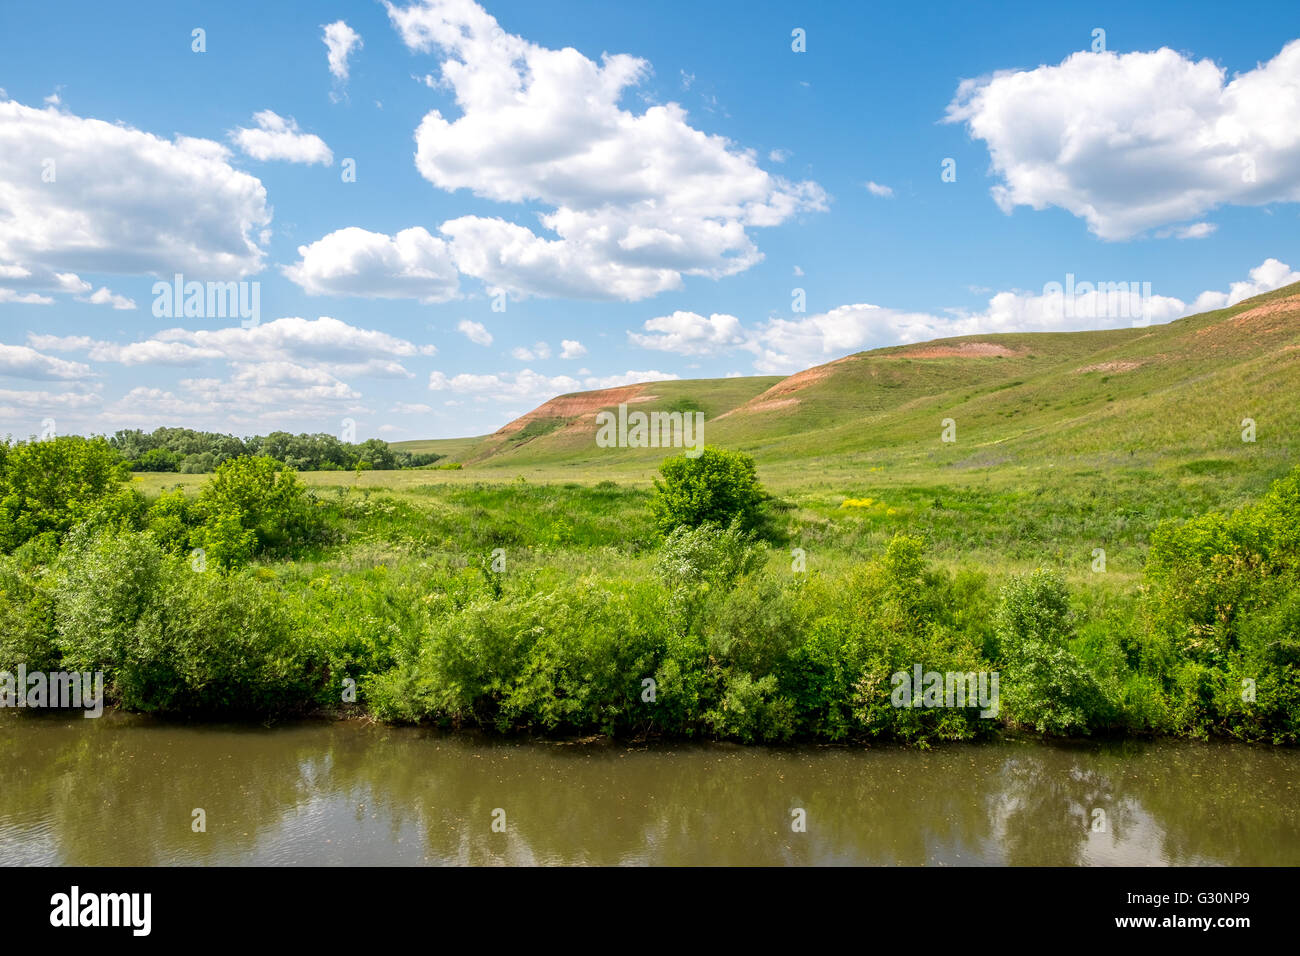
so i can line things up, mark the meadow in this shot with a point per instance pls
(1113, 531)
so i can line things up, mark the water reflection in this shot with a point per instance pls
(121, 790)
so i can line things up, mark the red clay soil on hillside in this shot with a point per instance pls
(1290, 304)
(776, 396)
(1110, 367)
(965, 350)
(577, 407)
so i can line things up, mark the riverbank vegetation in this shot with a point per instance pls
(701, 608)
(193, 452)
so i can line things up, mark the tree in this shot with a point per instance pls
(52, 485)
(251, 505)
(718, 486)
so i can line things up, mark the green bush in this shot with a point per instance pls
(1045, 684)
(252, 506)
(27, 633)
(718, 487)
(1222, 618)
(47, 487)
(172, 640)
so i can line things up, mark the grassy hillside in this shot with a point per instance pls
(531, 589)
(1065, 441)
(1126, 399)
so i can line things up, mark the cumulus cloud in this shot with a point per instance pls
(636, 200)
(411, 408)
(279, 138)
(476, 332)
(325, 342)
(20, 361)
(539, 350)
(782, 346)
(24, 298)
(104, 296)
(12, 400)
(412, 264)
(175, 206)
(1197, 230)
(1134, 141)
(1265, 277)
(876, 189)
(572, 349)
(689, 333)
(253, 398)
(531, 386)
(340, 40)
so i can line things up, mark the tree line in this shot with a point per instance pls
(195, 452)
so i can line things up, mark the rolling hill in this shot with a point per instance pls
(1131, 398)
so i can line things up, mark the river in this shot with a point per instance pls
(123, 790)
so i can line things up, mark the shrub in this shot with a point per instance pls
(717, 487)
(1223, 620)
(27, 633)
(252, 506)
(174, 641)
(49, 486)
(1046, 685)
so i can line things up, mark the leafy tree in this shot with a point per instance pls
(1047, 685)
(49, 486)
(718, 486)
(157, 459)
(251, 505)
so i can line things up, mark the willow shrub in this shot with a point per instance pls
(712, 645)
(1222, 615)
(174, 640)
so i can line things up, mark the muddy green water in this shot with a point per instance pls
(122, 790)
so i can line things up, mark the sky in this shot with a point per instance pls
(424, 218)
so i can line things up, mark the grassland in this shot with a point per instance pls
(1066, 442)
(1067, 445)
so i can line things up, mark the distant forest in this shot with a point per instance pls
(192, 452)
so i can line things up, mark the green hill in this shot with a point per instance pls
(1126, 400)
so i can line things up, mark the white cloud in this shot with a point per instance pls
(531, 386)
(876, 189)
(340, 40)
(1134, 141)
(689, 333)
(104, 296)
(279, 138)
(173, 207)
(782, 346)
(13, 399)
(412, 264)
(540, 350)
(1265, 277)
(254, 398)
(325, 343)
(572, 349)
(628, 378)
(637, 200)
(512, 257)
(778, 155)
(23, 362)
(476, 332)
(24, 298)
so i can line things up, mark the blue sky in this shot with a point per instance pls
(566, 195)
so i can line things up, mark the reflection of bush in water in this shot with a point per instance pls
(122, 792)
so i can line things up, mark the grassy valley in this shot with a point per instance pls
(529, 589)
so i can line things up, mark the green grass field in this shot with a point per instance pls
(1067, 445)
